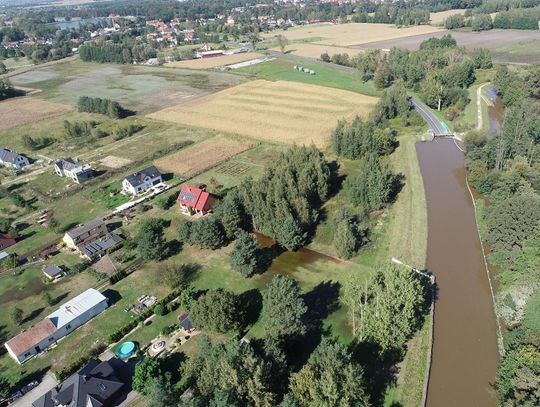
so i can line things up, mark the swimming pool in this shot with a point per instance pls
(125, 350)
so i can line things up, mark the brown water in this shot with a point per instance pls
(465, 358)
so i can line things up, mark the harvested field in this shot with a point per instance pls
(203, 156)
(440, 17)
(507, 45)
(311, 50)
(25, 110)
(114, 162)
(207, 63)
(29, 68)
(350, 34)
(280, 111)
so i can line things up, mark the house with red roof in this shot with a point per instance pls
(6, 241)
(195, 200)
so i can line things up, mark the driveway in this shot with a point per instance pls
(46, 384)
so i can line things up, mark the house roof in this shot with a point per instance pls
(68, 164)
(76, 307)
(87, 227)
(8, 156)
(138, 178)
(185, 322)
(196, 198)
(101, 245)
(26, 340)
(6, 241)
(52, 270)
(94, 385)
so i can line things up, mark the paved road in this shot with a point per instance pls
(438, 128)
(47, 384)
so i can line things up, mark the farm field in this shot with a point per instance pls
(507, 45)
(311, 50)
(203, 156)
(207, 63)
(25, 110)
(140, 88)
(351, 34)
(440, 17)
(284, 112)
(282, 69)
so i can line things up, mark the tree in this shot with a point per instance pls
(394, 307)
(161, 394)
(372, 186)
(282, 42)
(188, 296)
(151, 242)
(159, 310)
(3, 68)
(383, 76)
(245, 255)
(481, 22)
(231, 214)
(207, 233)
(16, 315)
(146, 371)
(216, 311)
(284, 310)
(290, 234)
(254, 36)
(233, 368)
(5, 388)
(434, 91)
(345, 239)
(329, 378)
(174, 275)
(47, 298)
(482, 58)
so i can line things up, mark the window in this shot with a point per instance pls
(51, 339)
(68, 327)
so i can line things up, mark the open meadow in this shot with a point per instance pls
(283, 112)
(207, 63)
(350, 34)
(140, 88)
(25, 110)
(203, 156)
(313, 50)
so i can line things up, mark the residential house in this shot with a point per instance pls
(77, 172)
(85, 234)
(52, 271)
(195, 200)
(99, 247)
(67, 318)
(12, 159)
(6, 241)
(94, 385)
(141, 181)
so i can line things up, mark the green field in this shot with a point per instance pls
(283, 69)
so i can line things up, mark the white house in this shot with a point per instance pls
(12, 159)
(141, 181)
(77, 172)
(67, 318)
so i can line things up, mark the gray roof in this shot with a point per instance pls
(8, 156)
(69, 165)
(87, 227)
(75, 307)
(93, 385)
(101, 245)
(138, 177)
(52, 270)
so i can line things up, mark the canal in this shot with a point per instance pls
(465, 356)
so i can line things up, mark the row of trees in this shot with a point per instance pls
(107, 107)
(506, 170)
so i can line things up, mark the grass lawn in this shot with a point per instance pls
(283, 69)
(14, 63)
(110, 195)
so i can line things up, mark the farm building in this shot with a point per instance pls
(53, 271)
(68, 317)
(77, 172)
(141, 181)
(95, 385)
(6, 241)
(210, 54)
(85, 234)
(195, 200)
(99, 247)
(12, 159)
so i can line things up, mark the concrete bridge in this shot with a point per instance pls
(438, 127)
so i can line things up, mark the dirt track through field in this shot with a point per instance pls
(281, 111)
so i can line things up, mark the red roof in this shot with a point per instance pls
(195, 198)
(6, 241)
(31, 337)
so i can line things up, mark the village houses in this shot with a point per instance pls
(12, 159)
(76, 171)
(195, 200)
(141, 181)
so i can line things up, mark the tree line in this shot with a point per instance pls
(505, 168)
(107, 107)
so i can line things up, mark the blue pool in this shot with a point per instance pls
(125, 350)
